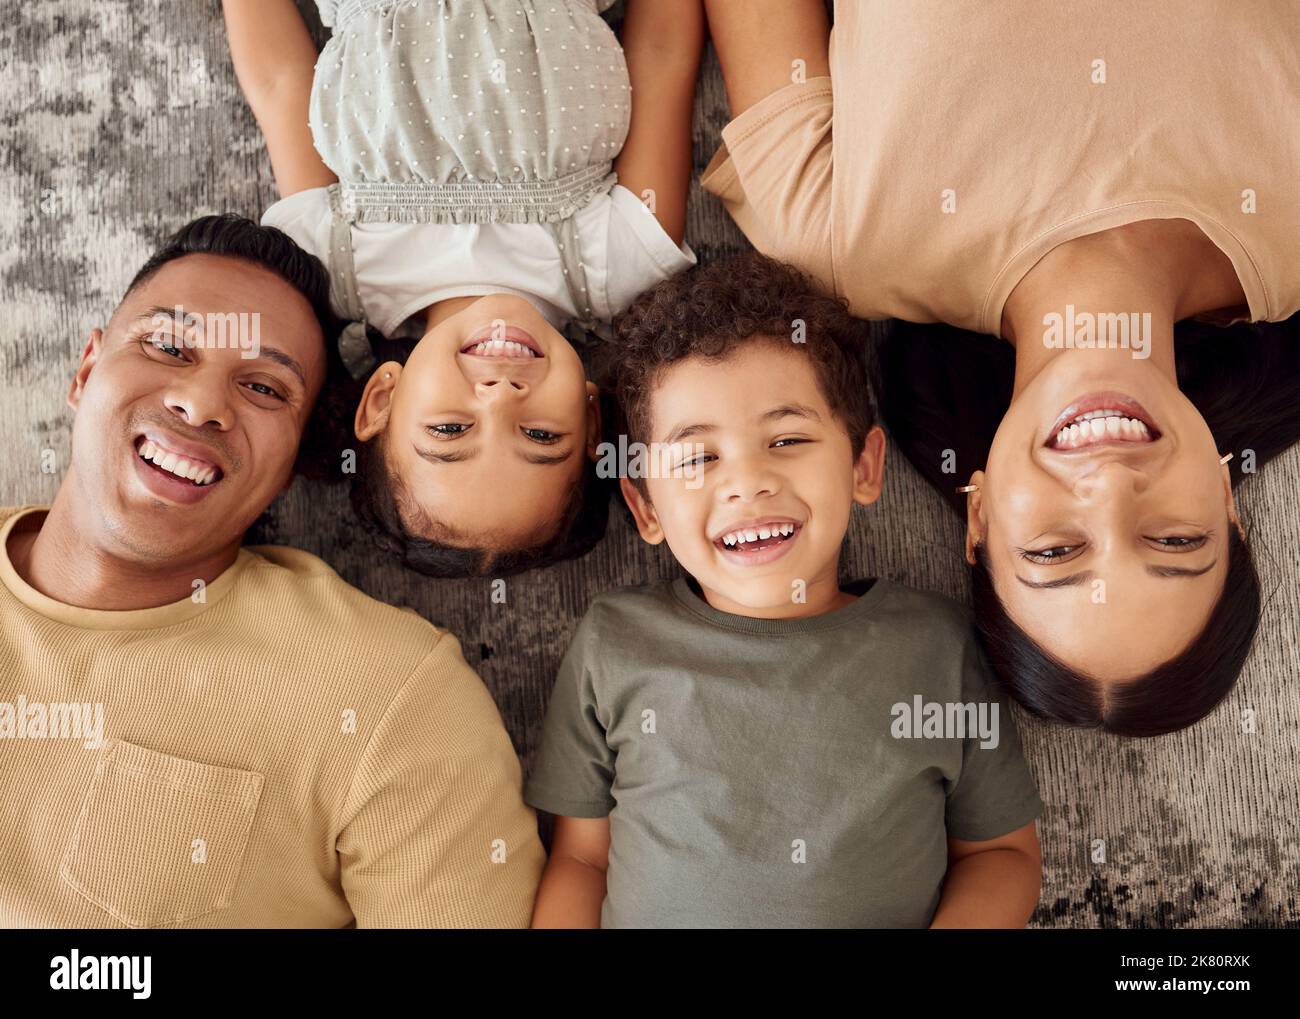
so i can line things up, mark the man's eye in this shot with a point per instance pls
(448, 430)
(161, 345)
(541, 435)
(1047, 555)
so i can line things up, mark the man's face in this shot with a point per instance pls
(181, 440)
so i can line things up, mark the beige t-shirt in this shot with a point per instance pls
(970, 138)
(281, 751)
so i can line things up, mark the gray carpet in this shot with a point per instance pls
(122, 119)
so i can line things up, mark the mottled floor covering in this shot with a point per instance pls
(123, 119)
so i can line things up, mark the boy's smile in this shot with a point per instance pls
(776, 478)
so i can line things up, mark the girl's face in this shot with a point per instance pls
(489, 424)
(1107, 544)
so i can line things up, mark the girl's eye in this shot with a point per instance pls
(1048, 556)
(1180, 543)
(448, 430)
(541, 435)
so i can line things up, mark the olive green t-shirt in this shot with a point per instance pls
(779, 773)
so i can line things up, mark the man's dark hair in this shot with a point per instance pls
(946, 392)
(233, 236)
(709, 312)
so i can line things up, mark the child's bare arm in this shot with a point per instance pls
(662, 41)
(573, 884)
(991, 884)
(275, 60)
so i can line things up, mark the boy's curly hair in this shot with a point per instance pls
(708, 312)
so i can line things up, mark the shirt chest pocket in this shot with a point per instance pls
(160, 839)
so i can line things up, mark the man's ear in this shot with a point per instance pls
(1233, 518)
(89, 356)
(869, 471)
(593, 420)
(975, 524)
(376, 401)
(643, 512)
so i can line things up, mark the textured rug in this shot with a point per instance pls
(122, 119)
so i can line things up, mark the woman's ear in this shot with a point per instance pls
(593, 420)
(1233, 518)
(975, 525)
(643, 512)
(869, 471)
(376, 401)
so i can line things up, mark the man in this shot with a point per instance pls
(198, 734)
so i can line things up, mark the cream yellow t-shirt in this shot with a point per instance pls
(970, 138)
(281, 751)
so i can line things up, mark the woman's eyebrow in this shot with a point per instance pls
(1073, 580)
(1179, 571)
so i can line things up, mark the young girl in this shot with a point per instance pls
(473, 175)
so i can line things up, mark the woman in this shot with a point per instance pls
(1075, 182)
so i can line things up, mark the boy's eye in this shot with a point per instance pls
(790, 441)
(263, 389)
(448, 430)
(541, 435)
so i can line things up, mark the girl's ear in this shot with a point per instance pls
(643, 512)
(869, 471)
(376, 401)
(594, 424)
(975, 523)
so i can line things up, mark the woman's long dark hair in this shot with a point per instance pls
(945, 391)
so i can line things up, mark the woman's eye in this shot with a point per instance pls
(448, 430)
(1048, 555)
(1180, 543)
(541, 435)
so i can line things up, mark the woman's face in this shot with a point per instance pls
(490, 423)
(1107, 543)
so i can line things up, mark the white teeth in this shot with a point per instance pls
(745, 535)
(1112, 426)
(1100, 425)
(175, 464)
(764, 532)
(502, 348)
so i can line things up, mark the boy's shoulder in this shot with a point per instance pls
(621, 605)
(935, 614)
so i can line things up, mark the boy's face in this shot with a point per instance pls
(770, 458)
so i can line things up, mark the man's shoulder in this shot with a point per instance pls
(319, 604)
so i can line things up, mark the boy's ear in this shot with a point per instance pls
(975, 525)
(89, 356)
(376, 401)
(869, 471)
(593, 420)
(643, 512)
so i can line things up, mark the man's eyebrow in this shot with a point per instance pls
(1179, 571)
(270, 353)
(1073, 580)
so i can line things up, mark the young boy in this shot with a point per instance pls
(747, 746)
